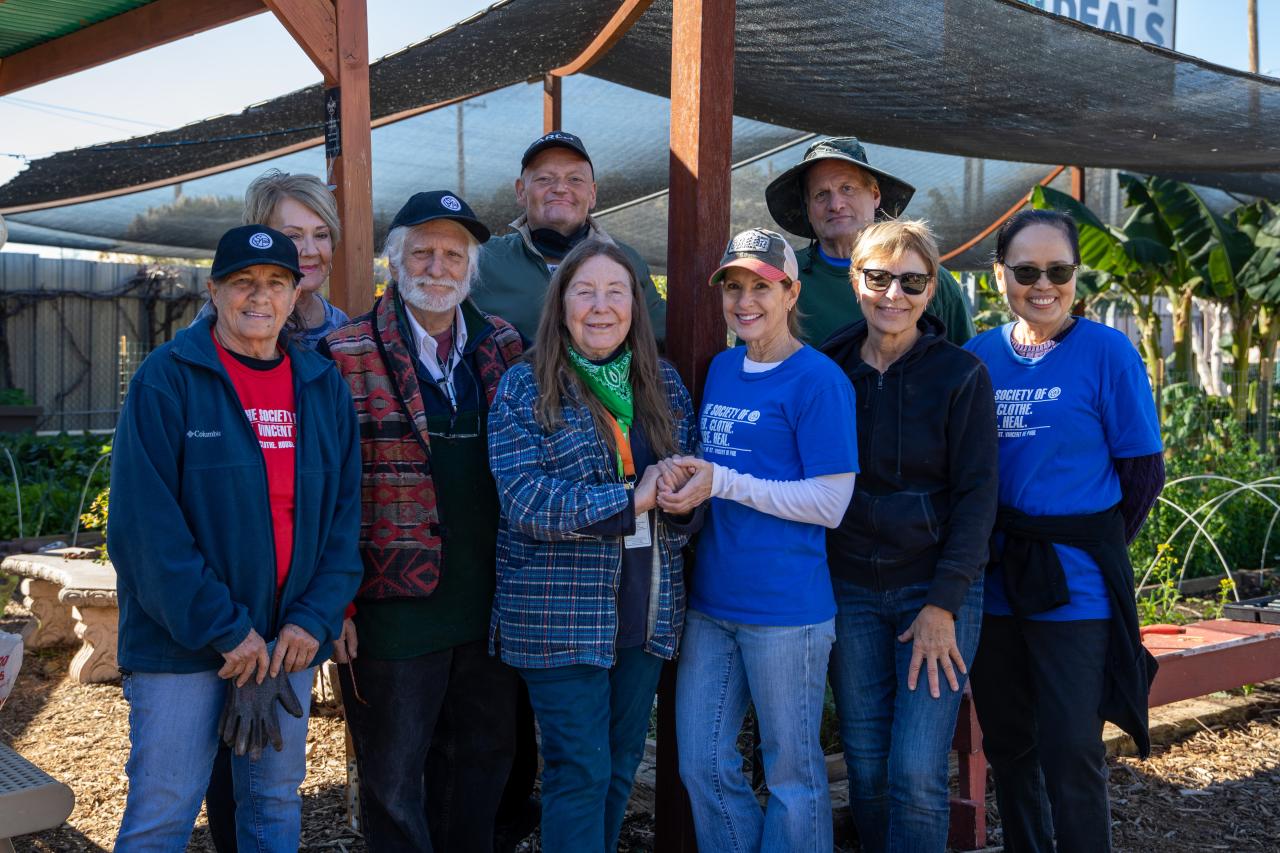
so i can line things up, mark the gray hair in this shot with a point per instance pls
(393, 251)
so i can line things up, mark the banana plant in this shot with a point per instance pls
(1259, 280)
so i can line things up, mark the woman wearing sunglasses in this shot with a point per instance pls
(1080, 467)
(907, 560)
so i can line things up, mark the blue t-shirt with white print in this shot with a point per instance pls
(791, 422)
(1061, 418)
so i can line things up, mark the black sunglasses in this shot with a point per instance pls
(1028, 275)
(913, 283)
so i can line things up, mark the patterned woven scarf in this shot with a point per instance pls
(610, 383)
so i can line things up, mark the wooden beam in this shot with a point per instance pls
(123, 35)
(313, 25)
(1077, 184)
(628, 13)
(351, 173)
(551, 103)
(702, 45)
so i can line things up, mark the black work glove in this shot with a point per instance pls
(249, 722)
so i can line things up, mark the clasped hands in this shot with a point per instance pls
(259, 679)
(676, 485)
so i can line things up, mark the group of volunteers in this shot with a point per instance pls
(486, 496)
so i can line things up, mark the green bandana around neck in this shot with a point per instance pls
(611, 383)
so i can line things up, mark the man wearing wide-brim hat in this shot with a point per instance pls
(829, 197)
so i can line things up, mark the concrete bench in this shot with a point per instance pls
(30, 799)
(74, 600)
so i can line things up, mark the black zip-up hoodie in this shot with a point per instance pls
(925, 499)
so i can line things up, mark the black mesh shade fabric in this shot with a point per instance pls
(984, 78)
(508, 43)
(956, 80)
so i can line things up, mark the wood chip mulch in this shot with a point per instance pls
(1218, 789)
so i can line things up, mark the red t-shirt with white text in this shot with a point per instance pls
(267, 397)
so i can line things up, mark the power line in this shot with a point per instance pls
(31, 103)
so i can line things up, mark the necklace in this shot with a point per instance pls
(1021, 330)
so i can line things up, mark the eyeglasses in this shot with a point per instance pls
(913, 283)
(1026, 274)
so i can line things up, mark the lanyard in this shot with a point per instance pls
(626, 465)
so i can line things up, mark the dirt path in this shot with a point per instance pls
(1214, 790)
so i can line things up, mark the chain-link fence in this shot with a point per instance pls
(73, 332)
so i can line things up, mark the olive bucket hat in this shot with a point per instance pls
(785, 196)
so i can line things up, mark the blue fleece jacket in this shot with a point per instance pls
(189, 530)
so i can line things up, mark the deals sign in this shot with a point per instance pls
(1145, 20)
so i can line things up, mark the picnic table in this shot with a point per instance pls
(1195, 660)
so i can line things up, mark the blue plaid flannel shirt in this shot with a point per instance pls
(556, 597)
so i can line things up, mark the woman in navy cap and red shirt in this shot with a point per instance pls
(233, 533)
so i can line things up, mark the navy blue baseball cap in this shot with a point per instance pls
(555, 139)
(440, 204)
(249, 245)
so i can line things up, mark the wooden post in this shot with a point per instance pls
(1077, 184)
(351, 285)
(551, 87)
(701, 142)
(697, 230)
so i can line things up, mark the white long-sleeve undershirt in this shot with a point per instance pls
(816, 500)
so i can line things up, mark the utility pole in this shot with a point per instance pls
(462, 158)
(1252, 15)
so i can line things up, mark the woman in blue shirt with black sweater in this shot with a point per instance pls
(1080, 467)
(780, 454)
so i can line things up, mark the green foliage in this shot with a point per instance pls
(1158, 604)
(1208, 441)
(990, 309)
(15, 397)
(52, 471)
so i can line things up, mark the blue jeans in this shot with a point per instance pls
(593, 724)
(895, 740)
(782, 670)
(173, 722)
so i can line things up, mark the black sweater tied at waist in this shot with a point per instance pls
(1035, 582)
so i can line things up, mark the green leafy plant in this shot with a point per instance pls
(52, 472)
(1226, 594)
(1159, 602)
(15, 397)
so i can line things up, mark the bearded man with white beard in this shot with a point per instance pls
(432, 715)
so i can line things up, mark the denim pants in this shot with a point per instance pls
(896, 740)
(173, 722)
(1037, 687)
(593, 723)
(782, 670)
(434, 736)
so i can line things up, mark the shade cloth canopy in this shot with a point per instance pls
(932, 82)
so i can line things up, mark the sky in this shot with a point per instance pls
(226, 69)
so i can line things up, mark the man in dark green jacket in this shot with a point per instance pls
(557, 190)
(829, 197)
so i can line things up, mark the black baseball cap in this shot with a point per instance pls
(249, 245)
(555, 139)
(440, 204)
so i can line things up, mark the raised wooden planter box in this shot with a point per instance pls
(19, 418)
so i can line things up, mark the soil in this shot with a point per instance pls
(1217, 789)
